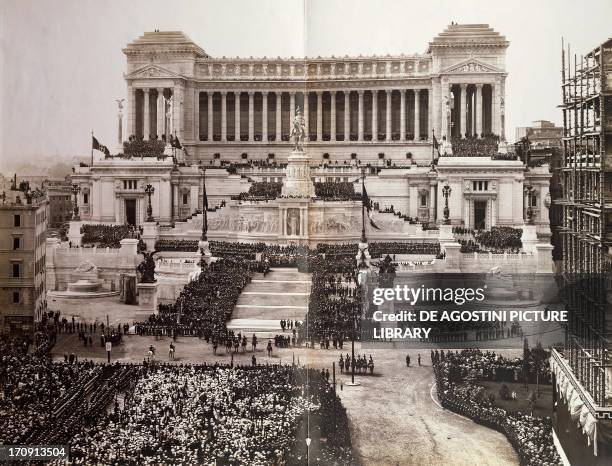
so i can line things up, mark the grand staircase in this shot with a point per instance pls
(281, 294)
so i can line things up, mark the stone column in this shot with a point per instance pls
(306, 117)
(432, 201)
(224, 116)
(502, 110)
(402, 114)
(196, 115)
(388, 116)
(279, 114)
(332, 124)
(478, 110)
(237, 116)
(161, 110)
(264, 116)
(429, 113)
(417, 115)
(209, 96)
(251, 116)
(146, 124)
(291, 107)
(463, 128)
(360, 116)
(375, 115)
(131, 104)
(494, 108)
(319, 115)
(347, 115)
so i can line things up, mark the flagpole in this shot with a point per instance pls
(92, 147)
(363, 233)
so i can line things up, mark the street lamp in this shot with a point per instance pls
(529, 212)
(308, 440)
(76, 189)
(446, 192)
(149, 190)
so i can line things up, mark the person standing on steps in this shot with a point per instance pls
(407, 360)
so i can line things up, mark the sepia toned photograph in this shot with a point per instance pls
(306, 232)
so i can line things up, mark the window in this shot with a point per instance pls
(16, 272)
(129, 184)
(16, 297)
(85, 198)
(423, 200)
(480, 185)
(185, 199)
(16, 243)
(17, 220)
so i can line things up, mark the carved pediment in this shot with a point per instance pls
(471, 65)
(152, 71)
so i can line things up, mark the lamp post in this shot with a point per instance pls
(529, 211)
(76, 189)
(149, 190)
(308, 440)
(446, 192)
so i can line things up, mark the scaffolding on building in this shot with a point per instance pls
(586, 177)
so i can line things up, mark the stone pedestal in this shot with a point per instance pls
(149, 234)
(74, 233)
(298, 182)
(129, 247)
(446, 234)
(453, 257)
(544, 260)
(204, 252)
(529, 238)
(147, 297)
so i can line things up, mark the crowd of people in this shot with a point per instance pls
(498, 239)
(336, 191)
(261, 190)
(204, 305)
(184, 414)
(176, 245)
(475, 147)
(335, 301)
(107, 236)
(457, 375)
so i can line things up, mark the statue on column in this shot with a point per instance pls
(298, 130)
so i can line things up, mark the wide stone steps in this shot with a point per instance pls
(282, 294)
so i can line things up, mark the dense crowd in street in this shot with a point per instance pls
(457, 375)
(205, 304)
(183, 414)
(334, 309)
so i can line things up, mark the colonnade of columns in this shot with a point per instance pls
(152, 113)
(472, 110)
(343, 115)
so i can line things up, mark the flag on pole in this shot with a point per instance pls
(95, 144)
(204, 195)
(436, 146)
(367, 203)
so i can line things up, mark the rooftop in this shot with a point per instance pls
(169, 41)
(458, 35)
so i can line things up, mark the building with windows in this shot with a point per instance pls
(60, 201)
(373, 105)
(23, 229)
(540, 134)
(583, 370)
(232, 118)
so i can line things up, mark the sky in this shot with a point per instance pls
(61, 65)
